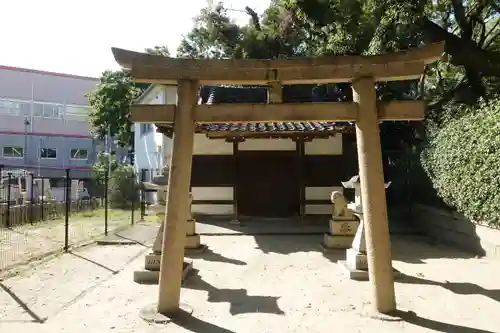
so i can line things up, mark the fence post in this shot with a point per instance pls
(31, 196)
(409, 168)
(106, 179)
(7, 214)
(2, 199)
(143, 194)
(134, 179)
(42, 210)
(67, 197)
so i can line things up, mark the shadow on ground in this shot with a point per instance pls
(210, 255)
(142, 233)
(459, 288)
(34, 317)
(291, 236)
(415, 249)
(301, 236)
(193, 324)
(220, 226)
(436, 326)
(240, 302)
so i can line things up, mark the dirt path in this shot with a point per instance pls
(279, 284)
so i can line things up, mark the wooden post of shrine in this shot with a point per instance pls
(177, 211)
(378, 245)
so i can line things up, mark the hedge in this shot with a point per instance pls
(462, 160)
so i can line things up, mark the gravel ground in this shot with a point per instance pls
(256, 284)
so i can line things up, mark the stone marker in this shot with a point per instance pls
(151, 274)
(343, 224)
(356, 263)
(193, 242)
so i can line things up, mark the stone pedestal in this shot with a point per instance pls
(193, 241)
(151, 272)
(355, 265)
(342, 226)
(340, 235)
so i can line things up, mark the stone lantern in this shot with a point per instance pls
(356, 264)
(152, 262)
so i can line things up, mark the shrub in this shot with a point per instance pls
(123, 188)
(463, 161)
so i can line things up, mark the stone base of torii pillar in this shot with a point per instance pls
(356, 264)
(151, 273)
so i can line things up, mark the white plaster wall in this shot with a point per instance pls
(267, 144)
(206, 146)
(222, 209)
(318, 209)
(170, 97)
(329, 146)
(212, 193)
(320, 193)
(146, 146)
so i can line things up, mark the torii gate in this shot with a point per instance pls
(365, 111)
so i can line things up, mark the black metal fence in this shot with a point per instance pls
(46, 210)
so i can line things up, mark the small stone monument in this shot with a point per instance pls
(356, 263)
(343, 224)
(193, 242)
(151, 273)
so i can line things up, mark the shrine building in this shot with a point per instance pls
(272, 169)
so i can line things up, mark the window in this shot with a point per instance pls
(37, 109)
(51, 111)
(146, 128)
(14, 108)
(79, 154)
(48, 153)
(13, 152)
(77, 112)
(47, 110)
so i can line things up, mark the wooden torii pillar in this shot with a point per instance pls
(362, 71)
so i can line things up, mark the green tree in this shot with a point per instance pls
(122, 186)
(110, 102)
(158, 50)
(215, 35)
(104, 163)
(469, 28)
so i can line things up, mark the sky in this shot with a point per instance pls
(75, 37)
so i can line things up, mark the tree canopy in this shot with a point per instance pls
(111, 101)
(291, 28)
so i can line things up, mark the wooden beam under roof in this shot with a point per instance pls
(254, 113)
(403, 65)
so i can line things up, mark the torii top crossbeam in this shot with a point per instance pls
(403, 65)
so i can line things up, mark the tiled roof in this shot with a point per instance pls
(303, 126)
(217, 95)
(258, 95)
